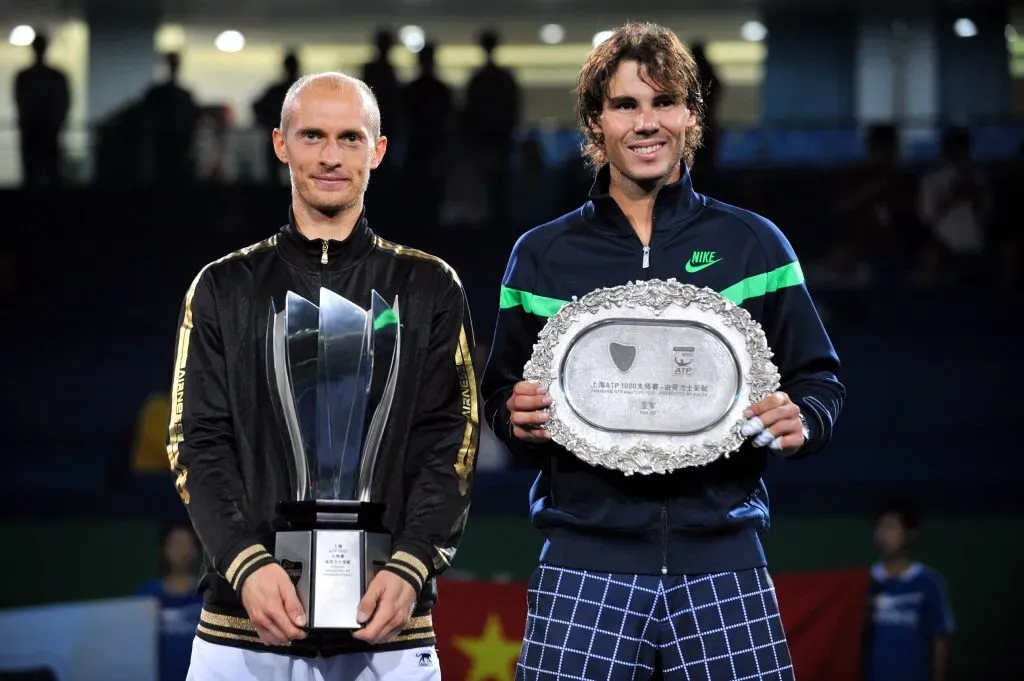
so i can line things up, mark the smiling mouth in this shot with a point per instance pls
(647, 149)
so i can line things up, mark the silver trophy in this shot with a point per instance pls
(322, 365)
(651, 376)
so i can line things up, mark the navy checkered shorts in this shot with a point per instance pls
(718, 627)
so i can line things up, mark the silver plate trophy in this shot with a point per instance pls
(322, 362)
(651, 376)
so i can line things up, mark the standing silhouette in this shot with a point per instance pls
(267, 112)
(171, 117)
(42, 98)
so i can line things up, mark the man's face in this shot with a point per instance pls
(890, 535)
(180, 550)
(644, 128)
(330, 148)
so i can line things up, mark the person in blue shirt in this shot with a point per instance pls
(180, 602)
(909, 616)
(655, 574)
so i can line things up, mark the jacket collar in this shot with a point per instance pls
(675, 203)
(308, 253)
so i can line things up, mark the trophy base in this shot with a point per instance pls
(332, 550)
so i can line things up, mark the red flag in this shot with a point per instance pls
(822, 613)
(480, 625)
(480, 628)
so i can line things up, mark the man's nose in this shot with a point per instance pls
(646, 121)
(330, 154)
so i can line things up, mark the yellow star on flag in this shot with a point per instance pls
(492, 656)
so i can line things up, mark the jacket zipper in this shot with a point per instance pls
(323, 257)
(647, 246)
(664, 537)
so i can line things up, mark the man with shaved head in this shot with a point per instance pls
(226, 445)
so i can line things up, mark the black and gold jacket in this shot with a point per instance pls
(227, 449)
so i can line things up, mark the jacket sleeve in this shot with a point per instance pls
(802, 349)
(443, 442)
(201, 442)
(515, 333)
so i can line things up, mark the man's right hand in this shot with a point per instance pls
(524, 408)
(273, 605)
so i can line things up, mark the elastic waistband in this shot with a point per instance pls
(649, 555)
(237, 631)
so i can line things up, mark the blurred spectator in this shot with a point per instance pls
(875, 206)
(955, 205)
(42, 98)
(711, 92)
(180, 603)
(267, 112)
(380, 75)
(534, 180)
(842, 268)
(428, 110)
(909, 616)
(171, 118)
(492, 114)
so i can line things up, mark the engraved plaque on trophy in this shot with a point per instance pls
(322, 360)
(651, 376)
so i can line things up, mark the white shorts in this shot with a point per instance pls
(213, 662)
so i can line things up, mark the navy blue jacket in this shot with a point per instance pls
(694, 520)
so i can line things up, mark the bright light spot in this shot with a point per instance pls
(169, 38)
(601, 36)
(230, 41)
(413, 38)
(1010, 32)
(22, 35)
(552, 34)
(965, 28)
(753, 31)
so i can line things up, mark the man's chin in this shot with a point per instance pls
(330, 208)
(651, 176)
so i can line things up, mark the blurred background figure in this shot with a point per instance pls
(42, 97)
(171, 117)
(491, 116)
(267, 114)
(910, 620)
(955, 205)
(379, 73)
(428, 106)
(180, 604)
(711, 92)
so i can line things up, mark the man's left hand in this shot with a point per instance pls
(775, 421)
(386, 608)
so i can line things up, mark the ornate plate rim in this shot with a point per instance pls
(658, 296)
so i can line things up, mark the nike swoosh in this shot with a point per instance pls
(691, 268)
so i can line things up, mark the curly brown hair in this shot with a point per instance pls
(666, 65)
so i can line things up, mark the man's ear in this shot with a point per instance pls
(379, 149)
(279, 147)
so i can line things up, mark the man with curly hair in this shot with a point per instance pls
(643, 576)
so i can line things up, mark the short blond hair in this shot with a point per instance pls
(332, 80)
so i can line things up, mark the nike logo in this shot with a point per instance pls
(701, 260)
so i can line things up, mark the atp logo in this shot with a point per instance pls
(683, 358)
